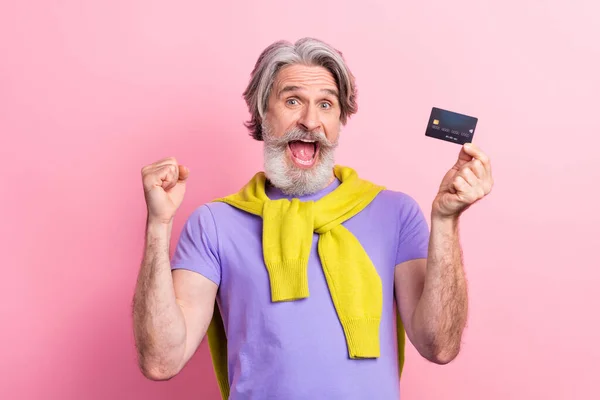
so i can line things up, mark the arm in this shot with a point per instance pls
(432, 295)
(171, 310)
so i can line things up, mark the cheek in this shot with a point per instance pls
(332, 129)
(273, 126)
(280, 122)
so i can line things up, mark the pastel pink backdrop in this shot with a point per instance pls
(92, 91)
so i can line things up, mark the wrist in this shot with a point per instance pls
(447, 221)
(157, 226)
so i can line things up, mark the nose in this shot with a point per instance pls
(309, 120)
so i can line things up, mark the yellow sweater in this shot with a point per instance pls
(288, 228)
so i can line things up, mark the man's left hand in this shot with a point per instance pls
(469, 180)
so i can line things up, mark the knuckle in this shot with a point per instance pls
(146, 172)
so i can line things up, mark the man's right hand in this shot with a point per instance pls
(172, 308)
(164, 188)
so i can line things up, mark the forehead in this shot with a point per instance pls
(304, 77)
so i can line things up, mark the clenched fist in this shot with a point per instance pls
(468, 181)
(164, 187)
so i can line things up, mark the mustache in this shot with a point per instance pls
(301, 134)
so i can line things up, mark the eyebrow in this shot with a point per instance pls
(294, 88)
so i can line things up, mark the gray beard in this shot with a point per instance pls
(284, 175)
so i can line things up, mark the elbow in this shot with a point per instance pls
(156, 364)
(157, 373)
(437, 347)
(443, 357)
(440, 355)
(155, 370)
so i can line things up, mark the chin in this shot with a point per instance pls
(298, 179)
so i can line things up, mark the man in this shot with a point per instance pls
(308, 262)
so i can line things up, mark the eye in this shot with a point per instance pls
(292, 102)
(326, 105)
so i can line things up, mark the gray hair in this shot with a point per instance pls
(306, 51)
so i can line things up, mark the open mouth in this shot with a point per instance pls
(303, 152)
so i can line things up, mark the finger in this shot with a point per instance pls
(475, 152)
(168, 175)
(451, 188)
(459, 184)
(463, 158)
(160, 163)
(151, 168)
(165, 161)
(483, 174)
(478, 169)
(469, 176)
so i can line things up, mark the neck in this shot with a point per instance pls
(330, 180)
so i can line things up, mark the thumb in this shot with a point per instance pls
(466, 154)
(184, 173)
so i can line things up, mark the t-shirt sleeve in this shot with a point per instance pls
(413, 240)
(196, 248)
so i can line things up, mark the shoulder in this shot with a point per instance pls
(396, 196)
(221, 211)
(403, 206)
(217, 217)
(397, 200)
(202, 214)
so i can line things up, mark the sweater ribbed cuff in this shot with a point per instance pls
(289, 280)
(362, 337)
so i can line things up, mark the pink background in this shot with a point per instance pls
(91, 91)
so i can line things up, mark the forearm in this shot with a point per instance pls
(159, 325)
(441, 313)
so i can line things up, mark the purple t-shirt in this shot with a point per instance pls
(297, 350)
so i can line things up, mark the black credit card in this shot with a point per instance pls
(450, 126)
